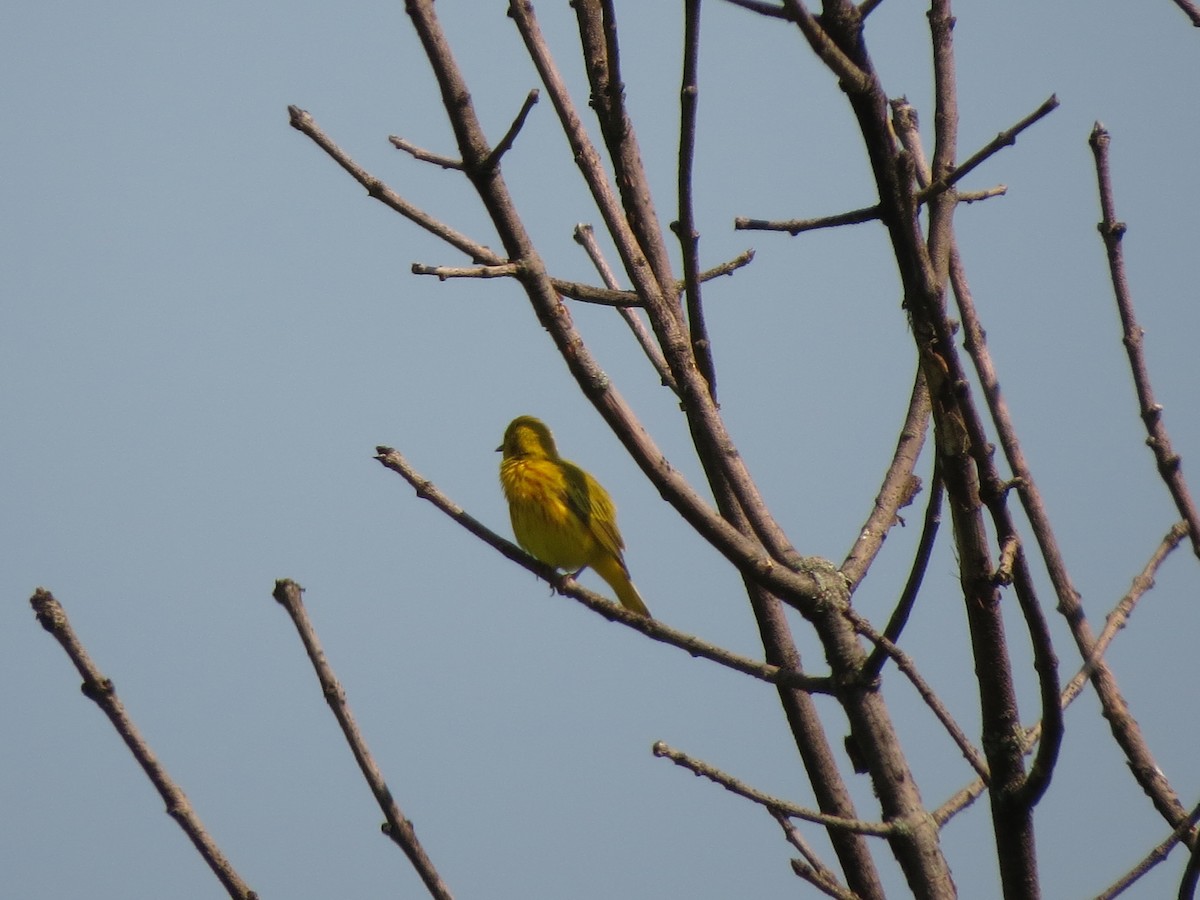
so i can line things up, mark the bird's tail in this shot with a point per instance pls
(614, 572)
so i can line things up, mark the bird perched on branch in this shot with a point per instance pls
(560, 513)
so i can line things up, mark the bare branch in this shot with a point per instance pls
(945, 137)
(1045, 664)
(699, 767)
(685, 226)
(289, 595)
(961, 800)
(796, 226)
(587, 158)
(854, 216)
(998, 190)
(905, 664)
(597, 25)
(898, 489)
(1120, 614)
(966, 469)
(728, 268)
(1154, 857)
(304, 123)
(1116, 621)
(1006, 138)
(853, 80)
(585, 236)
(506, 142)
(1191, 10)
(566, 585)
(810, 868)
(588, 293)
(1026, 788)
(916, 575)
(506, 270)
(1124, 727)
(100, 690)
(424, 155)
(1169, 468)
(1191, 875)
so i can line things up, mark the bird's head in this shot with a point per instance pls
(528, 437)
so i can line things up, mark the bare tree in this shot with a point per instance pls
(1003, 538)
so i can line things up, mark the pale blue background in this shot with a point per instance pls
(207, 327)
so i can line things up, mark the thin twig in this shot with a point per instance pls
(898, 488)
(1153, 858)
(1116, 619)
(585, 236)
(597, 26)
(905, 664)
(852, 217)
(998, 190)
(505, 270)
(446, 162)
(961, 799)
(506, 142)
(810, 868)
(852, 78)
(589, 293)
(916, 575)
(289, 595)
(712, 773)
(1045, 664)
(685, 226)
(729, 267)
(1169, 468)
(796, 226)
(763, 9)
(304, 123)
(566, 585)
(1191, 876)
(1006, 138)
(479, 253)
(100, 690)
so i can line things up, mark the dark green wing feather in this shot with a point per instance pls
(588, 500)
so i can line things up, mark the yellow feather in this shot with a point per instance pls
(560, 513)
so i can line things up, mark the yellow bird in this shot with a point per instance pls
(560, 513)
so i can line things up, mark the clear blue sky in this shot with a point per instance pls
(207, 327)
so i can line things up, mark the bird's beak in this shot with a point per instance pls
(501, 447)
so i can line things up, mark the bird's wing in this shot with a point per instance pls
(588, 499)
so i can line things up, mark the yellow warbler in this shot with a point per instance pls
(560, 513)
